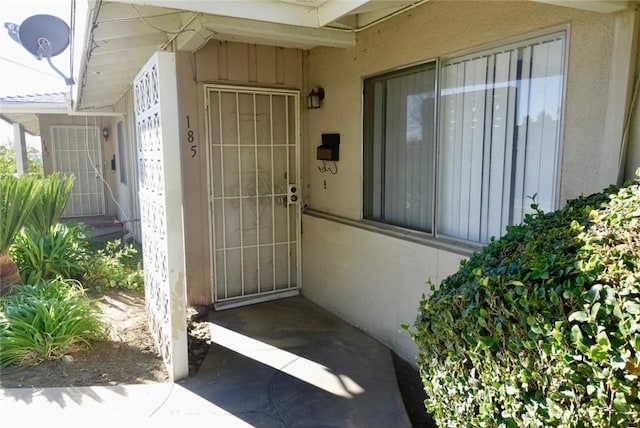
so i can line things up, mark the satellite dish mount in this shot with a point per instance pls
(44, 36)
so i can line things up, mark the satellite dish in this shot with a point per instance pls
(44, 36)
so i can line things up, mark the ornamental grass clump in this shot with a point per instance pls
(46, 320)
(17, 198)
(542, 327)
(53, 196)
(62, 252)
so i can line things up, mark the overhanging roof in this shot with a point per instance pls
(302, 13)
(123, 34)
(24, 109)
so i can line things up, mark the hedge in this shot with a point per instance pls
(542, 327)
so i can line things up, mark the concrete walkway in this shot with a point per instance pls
(286, 363)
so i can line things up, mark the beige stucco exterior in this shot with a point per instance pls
(445, 28)
(375, 281)
(633, 143)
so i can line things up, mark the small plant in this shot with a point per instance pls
(542, 327)
(46, 320)
(53, 197)
(7, 161)
(62, 252)
(117, 265)
(17, 198)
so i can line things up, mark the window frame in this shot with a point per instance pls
(434, 237)
(122, 155)
(367, 161)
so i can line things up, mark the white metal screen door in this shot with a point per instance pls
(77, 151)
(254, 156)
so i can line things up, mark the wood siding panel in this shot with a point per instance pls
(206, 63)
(266, 64)
(64, 120)
(280, 66)
(293, 67)
(253, 63)
(223, 61)
(238, 62)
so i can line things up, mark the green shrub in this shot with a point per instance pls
(18, 195)
(8, 161)
(62, 252)
(17, 198)
(117, 265)
(53, 197)
(46, 320)
(542, 327)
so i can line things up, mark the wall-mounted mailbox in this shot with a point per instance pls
(329, 150)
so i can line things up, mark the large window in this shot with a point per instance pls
(497, 145)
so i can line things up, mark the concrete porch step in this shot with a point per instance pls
(290, 363)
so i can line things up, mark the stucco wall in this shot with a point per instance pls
(444, 28)
(108, 149)
(376, 281)
(371, 280)
(225, 63)
(633, 145)
(129, 211)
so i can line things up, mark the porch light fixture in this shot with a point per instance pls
(105, 133)
(315, 97)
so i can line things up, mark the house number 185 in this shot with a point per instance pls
(191, 139)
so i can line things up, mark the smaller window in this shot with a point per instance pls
(399, 134)
(121, 154)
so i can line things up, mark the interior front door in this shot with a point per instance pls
(254, 178)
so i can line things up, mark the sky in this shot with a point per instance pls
(20, 72)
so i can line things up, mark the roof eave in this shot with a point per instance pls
(35, 108)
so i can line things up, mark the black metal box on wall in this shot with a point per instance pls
(329, 150)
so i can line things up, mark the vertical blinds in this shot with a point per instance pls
(499, 137)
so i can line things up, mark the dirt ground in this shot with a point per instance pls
(128, 356)
(413, 394)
